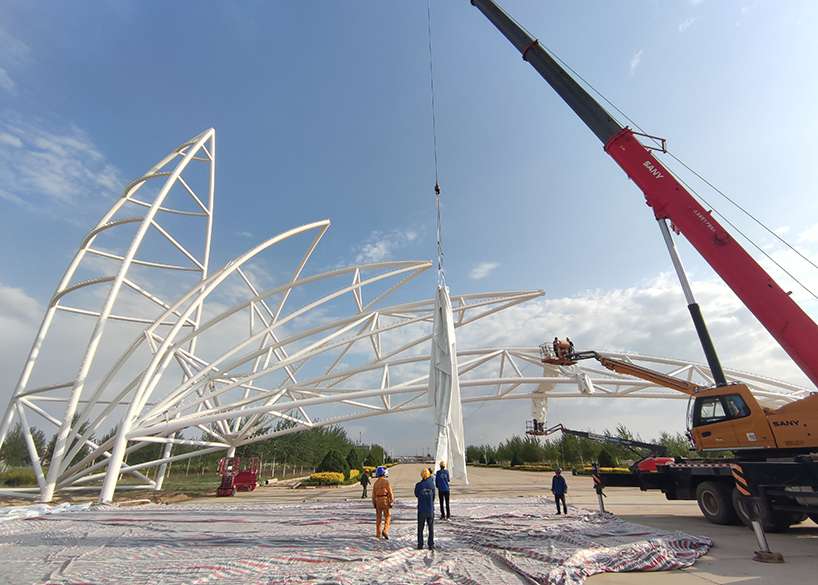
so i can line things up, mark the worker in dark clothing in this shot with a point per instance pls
(570, 347)
(364, 483)
(425, 493)
(556, 347)
(442, 484)
(559, 487)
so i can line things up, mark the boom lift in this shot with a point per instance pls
(658, 453)
(726, 418)
(777, 493)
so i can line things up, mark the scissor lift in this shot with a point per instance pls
(236, 479)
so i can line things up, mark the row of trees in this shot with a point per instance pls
(571, 451)
(303, 448)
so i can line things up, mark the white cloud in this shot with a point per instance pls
(13, 50)
(809, 235)
(381, 247)
(635, 62)
(244, 234)
(48, 168)
(13, 53)
(7, 83)
(10, 140)
(683, 27)
(649, 319)
(20, 316)
(482, 270)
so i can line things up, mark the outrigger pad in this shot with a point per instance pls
(768, 557)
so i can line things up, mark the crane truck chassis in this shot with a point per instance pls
(724, 488)
(779, 491)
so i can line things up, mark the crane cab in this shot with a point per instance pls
(730, 418)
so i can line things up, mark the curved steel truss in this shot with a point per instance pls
(177, 355)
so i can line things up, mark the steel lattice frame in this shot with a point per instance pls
(232, 368)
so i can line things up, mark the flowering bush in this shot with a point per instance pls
(326, 478)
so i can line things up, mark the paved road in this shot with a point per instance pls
(729, 561)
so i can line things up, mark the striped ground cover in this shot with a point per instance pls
(489, 542)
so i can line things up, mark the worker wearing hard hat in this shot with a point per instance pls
(559, 487)
(382, 500)
(442, 484)
(425, 493)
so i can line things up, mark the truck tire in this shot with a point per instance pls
(715, 502)
(779, 523)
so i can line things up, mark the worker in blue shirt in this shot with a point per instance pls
(425, 493)
(559, 487)
(442, 484)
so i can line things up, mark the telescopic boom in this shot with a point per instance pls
(791, 327)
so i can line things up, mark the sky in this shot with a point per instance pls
(324, 110)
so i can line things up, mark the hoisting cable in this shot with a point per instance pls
(441, 279)
(748, 214)
(708, 183)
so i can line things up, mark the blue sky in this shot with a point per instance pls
(322, 110)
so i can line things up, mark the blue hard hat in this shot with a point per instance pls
(381, 471)
(559, 469)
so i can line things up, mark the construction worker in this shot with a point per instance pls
(364, 483)
(442, 484)
(559, 487)
(570, 347)
(557, 347)
(425, 493)
(382, 500)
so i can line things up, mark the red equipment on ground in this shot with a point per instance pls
(234, 478)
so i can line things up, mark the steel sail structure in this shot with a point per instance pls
(145, 348)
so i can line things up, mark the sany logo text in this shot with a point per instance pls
(653, 170)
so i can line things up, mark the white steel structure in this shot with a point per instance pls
(159, 350)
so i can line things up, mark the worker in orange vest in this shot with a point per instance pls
(382, 500)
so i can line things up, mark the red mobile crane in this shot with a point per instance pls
(776, 494)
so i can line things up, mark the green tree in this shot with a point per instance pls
(354, 460)
(606, 459)
(376, 456)
(82, 451)
(516, 459)
(15, 451)
(335, 462)
(677, 445)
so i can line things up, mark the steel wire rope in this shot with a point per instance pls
(441, 279)
(708, 183)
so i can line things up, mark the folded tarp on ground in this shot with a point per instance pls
(34, 510)
(487, 542)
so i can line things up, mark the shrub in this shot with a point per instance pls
(326, 478)
(354, 460)
(18, 478)
(516, 459)
(335, 462)
(606, 459)
(353, 473)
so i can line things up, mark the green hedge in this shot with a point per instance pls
(18, 478)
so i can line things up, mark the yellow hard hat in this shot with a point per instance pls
(425, 473)
(442, 464)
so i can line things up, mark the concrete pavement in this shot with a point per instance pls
(729, 561)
